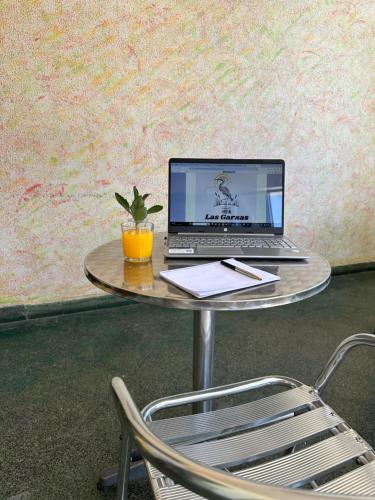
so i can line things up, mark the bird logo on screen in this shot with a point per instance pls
(224, 197)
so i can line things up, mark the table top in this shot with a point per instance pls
(105, 268)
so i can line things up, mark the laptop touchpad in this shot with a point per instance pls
(219, 252)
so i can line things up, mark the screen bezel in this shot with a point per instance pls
(226, 227)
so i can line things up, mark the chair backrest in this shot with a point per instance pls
(201, 479)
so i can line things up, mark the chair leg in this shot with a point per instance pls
(123, 472)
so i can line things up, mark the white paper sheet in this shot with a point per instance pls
(214, 278)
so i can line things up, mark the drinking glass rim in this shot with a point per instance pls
(141, 225)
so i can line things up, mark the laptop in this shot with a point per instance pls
(220, 208)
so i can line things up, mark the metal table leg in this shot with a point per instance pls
(203, 351)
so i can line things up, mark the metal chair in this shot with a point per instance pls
(288, 445)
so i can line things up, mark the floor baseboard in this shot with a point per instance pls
(28, 312)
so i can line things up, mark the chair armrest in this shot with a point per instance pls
(339, 354)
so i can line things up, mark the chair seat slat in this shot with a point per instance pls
(360, 481)
(259, 443)
(177, 493)
(208, 425)
(309, 463)
(295, 469)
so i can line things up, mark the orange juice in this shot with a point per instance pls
(137, 243)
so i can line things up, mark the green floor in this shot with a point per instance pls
(58, 425)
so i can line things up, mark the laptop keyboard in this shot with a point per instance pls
(227, 241)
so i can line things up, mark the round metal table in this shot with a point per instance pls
(105, 268)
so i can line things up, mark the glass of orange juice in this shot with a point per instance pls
(137, 239)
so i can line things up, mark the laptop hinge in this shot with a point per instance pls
(226, 234)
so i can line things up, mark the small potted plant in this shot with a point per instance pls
(137, 235)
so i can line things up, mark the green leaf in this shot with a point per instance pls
(123, 202)
(138, 202)
(154, 209)
(139, 214)
(137, 209)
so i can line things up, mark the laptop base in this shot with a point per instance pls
(237, 252)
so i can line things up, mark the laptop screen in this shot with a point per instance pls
(226, 195)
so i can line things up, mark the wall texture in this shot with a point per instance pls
(96, 96)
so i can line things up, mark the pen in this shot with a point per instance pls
(239, 270)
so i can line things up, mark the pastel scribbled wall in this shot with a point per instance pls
(96, 96)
